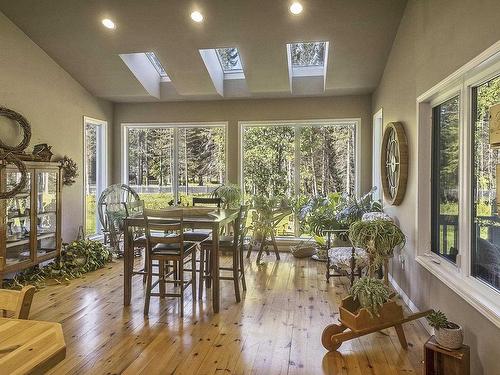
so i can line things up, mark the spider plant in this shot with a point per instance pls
(371, 293)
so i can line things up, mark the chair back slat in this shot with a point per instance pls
(240, 225)
(17, 302)
(199, 201)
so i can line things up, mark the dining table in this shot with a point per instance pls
(213, 219)
(30, 346)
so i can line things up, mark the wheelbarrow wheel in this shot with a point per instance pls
(328, 332)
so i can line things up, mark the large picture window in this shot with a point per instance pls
(168, 163)
(486, 220)
(288, 159)
(445, 162)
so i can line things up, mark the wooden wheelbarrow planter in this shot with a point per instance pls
(357, 322)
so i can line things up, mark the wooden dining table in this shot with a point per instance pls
(214, 220)
(30, 346)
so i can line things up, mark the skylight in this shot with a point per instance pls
(308, 54)
(157, 64)
(229, 59)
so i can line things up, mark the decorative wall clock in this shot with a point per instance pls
(394, 160)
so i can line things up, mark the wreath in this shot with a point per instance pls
(10, 157)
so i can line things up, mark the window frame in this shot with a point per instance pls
(175, 126)
(297, 124)
(103, 154)
(457, 277)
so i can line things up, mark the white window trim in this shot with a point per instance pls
(104, 165)
(175, 126)
(457, 276)
(376, 158)
(297, 124)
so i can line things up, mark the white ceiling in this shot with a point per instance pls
(70, 31)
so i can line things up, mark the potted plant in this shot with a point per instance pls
(369, 304)
(448, 334)
(378, 238)
(230, 194)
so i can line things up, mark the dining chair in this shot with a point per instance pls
(17, 302)
(232, 244)
(165, 243)
(198, 235)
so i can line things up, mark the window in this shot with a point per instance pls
(95, 171)
(445, 160)
(229, 59)
(486, 220)
(157, 64)
(290, 159)
(167, 163)
(458, 222)
(307, 59)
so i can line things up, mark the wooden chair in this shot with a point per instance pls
(165, 243)
(198, 235)
(17, 302)
(232, 244)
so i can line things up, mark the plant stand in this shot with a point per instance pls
(357, 322)
(442, 361)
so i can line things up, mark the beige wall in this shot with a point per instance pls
(250, 110)
(32, 84)
(434, 39)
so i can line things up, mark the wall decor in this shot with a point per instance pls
(394, 163)
(42, 151)
(70, 171)
(9, 154)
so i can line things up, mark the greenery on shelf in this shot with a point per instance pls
(371, 293)
(230, 194)
(378, 237)
(76, 259)
(438, 320)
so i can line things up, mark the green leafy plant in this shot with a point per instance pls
(378, 237)
(76, 259)
(371, 293)
(438, 320)
(230, 194)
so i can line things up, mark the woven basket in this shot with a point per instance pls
(303, 251)
(450, 338)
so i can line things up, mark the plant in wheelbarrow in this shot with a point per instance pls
(448, 334)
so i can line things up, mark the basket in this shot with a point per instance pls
(303, 251)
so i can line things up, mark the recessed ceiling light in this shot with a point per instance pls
(196, 16)
(108, 23)
(296, 8)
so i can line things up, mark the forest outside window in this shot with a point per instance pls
(485, 224)
(169, 164)
(296, 160)
(445, 167)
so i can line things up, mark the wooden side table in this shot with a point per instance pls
(441, 361)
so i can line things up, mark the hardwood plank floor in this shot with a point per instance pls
(276, 328)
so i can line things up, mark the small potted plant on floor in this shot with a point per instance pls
(448, 334)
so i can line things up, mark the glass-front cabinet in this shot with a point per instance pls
(30, 221)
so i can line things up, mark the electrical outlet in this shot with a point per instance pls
(402, 261)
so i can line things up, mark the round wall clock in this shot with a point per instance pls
(394, 163)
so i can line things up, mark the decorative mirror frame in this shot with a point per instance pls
(395, 143)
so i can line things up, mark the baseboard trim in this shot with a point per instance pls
(410, 304)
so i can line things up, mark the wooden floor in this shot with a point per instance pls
(276, 329)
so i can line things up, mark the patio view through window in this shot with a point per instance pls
(445, 161)
(294, 160)
(486, 224)
(165, 164)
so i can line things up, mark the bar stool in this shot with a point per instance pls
(232, 244)
(198, 235)
(165, 243)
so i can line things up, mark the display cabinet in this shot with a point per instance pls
(30, 222)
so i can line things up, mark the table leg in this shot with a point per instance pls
(128, 259)
(214, 271)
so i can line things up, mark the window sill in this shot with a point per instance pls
(480, 296)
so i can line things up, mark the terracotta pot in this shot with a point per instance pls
(451, 338)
